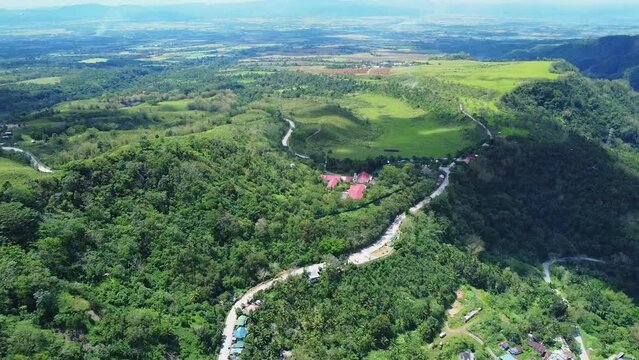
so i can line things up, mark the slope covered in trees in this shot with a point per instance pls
(610, 57)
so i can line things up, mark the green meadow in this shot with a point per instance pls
(501, 77)
(368, 125)
(51, 80)
(16, 173)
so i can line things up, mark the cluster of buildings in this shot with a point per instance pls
(359, 183)
(7, 135)
(241, 330)
(561, 354)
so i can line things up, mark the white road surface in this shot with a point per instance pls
(34, 161)
(549, 263)
(546, 265)
(287, 137)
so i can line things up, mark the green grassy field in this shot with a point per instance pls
(498, 76)
(51, 80)
(363, 126)
(17, 174)
(94, 61)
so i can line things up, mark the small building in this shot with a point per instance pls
(468, 159)
(356, 191)
(516, 350)
(466, 356)
(331, 180)
(363, 178)
(313, 274)
(240, 333)
(286, 354)
(504, 345)
(507, 357)
(471, 315)
(241, 320)
(539, 348)
(442, 335)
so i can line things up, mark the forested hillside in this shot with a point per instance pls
(611, 57)
(153, 240)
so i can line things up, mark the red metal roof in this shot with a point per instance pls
(363, 178)
(356, 191)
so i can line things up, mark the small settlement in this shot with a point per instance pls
(241, 328)
(564, 353)
(358, 184)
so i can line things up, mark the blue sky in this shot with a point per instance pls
(48, 3)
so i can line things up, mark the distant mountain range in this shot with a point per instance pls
(321, 8)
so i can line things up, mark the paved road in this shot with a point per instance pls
(546, 265)
(549, 263)
(34, 161)
(364, 256)
(287, 137)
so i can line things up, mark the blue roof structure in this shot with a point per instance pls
(507, 357)
(240, 333)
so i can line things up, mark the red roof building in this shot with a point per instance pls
(539, 348)
(332, 180)
(356, 191)
(364, 178)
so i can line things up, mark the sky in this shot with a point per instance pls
(19, 4)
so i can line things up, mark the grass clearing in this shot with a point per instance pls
(94, 61)
(498, 76)
(17, 173)
(51, 80)
(371, 125)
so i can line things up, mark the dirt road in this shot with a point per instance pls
(549, 263)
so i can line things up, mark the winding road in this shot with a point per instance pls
(287, 138)
(34, 161)
(361, 257)
(549, 263)
(546, 265)
(488, 132)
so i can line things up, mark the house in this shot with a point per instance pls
(241, 320)
(504, 345)
(313, 274)
(466, 356)
(356, 191)
(363, 178)
(471, 315)
(468, 159)
(539, 348)
(507, 357)
(515, 350)
(285, 354)
(331, 180)
(563, 354)
(240, 333)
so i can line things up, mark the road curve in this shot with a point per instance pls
(361, 257)
(287, 137)
(34, 161)
(547, 264)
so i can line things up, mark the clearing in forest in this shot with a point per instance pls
(501, 77)
(16, 173)
(371, 125)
